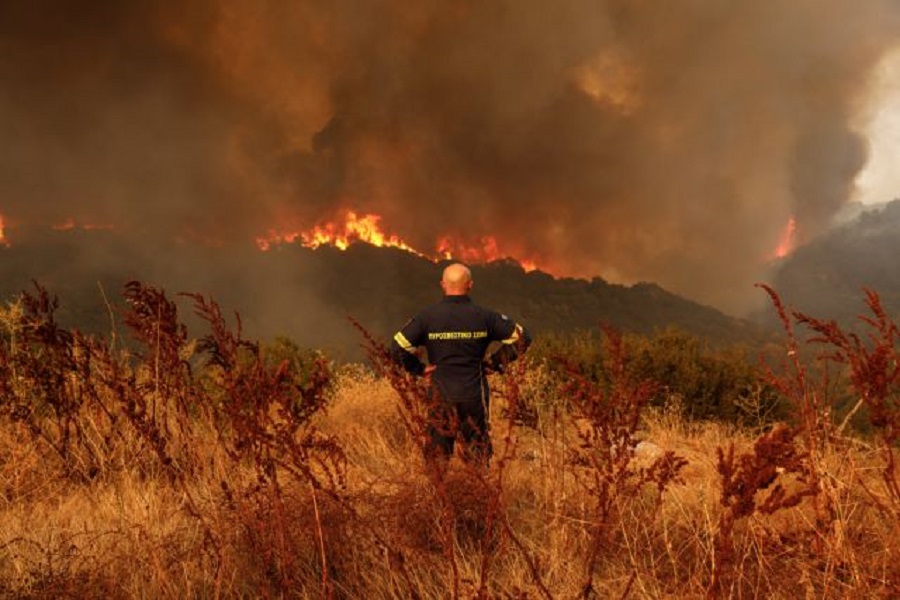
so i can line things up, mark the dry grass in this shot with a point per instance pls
(194, 483)
(130, 535)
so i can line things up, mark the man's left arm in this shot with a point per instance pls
(514, 340)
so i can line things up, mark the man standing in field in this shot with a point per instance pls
(456, 334)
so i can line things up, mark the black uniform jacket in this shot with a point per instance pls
(456, 334)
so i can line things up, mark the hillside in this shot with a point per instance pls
(826, 278)
(308, 295)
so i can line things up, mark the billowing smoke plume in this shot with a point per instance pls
(666, 142)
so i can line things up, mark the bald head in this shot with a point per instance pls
(457, 280)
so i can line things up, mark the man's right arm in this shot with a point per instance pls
(403, 347)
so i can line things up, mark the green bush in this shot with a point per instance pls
(721, 383)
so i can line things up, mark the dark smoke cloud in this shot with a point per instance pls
(667, 142)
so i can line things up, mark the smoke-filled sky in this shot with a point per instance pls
(637, 141)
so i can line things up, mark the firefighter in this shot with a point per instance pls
(456, 334)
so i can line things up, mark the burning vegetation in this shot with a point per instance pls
(788, 240)
(367, 229)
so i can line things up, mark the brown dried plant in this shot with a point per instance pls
(871, 362)
(744, 478)
(46, 384)
(264, 418)
(100, 408)
(809, 405)
(797, 456)
(607, 420)
(873, 365)
(264, 415)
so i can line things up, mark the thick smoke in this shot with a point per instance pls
(665, 142)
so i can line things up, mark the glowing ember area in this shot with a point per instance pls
(367, 229)
(65, 225)
(787, 241)
(70, 224)
(3, 240)
(610, 81)
(339, 234)
(486, 250)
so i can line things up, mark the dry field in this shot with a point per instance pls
(185, 468)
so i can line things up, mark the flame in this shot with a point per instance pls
(342, 233)
(70, 223)
(486, 250)
(65, 225)
(788, 239)
(352, 228)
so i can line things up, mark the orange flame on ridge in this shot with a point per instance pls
(340, 235)
(366, 228)
(70, 223)
(487, 250)
(787, 241)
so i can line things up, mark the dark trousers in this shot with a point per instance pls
(465, 420)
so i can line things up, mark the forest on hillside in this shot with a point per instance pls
(309, 295)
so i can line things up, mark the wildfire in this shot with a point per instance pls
(339, 234)
(787, 240)
(367, 229)
(349, 228)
